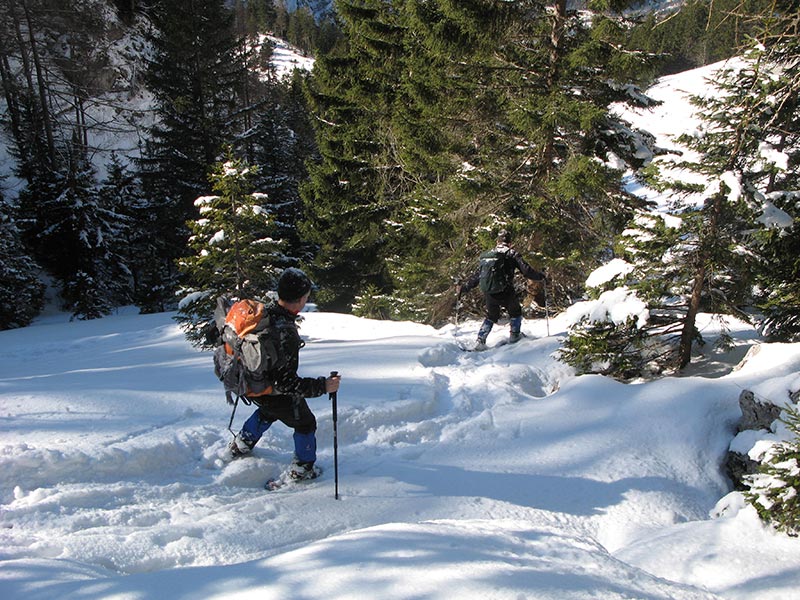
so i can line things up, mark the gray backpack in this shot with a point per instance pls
(247, 352)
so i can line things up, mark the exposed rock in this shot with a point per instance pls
(756, 414)
(737, 466)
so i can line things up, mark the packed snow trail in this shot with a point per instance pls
(499, 472)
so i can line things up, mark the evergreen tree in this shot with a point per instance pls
(777, 122)
(439, 121)
(121, 195)
(280, 142)
(731, 227)
(73, 220)
(193, 74)
(21, 291)
(775, 490)
(350, 97)
(541, 145)
(749, 137)
(233, 253)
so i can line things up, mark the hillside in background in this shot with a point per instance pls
(120, 110)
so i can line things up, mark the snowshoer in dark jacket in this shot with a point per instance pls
(495, 275)
(287, 402)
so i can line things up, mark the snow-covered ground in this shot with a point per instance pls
(286, 58)
(461, 475)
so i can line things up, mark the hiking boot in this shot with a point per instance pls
(515, 336)
(480, 345)
(304, 471)
(238, 447)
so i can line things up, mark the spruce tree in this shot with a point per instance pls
(733, 230)
(233, 252)
(350, 96)
(778, 122)
(775, 489)
(21, 291)
(280, 142)
(440, 121)
(70, 216)
(121, 194)
(193, 75)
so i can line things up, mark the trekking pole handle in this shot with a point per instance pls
(332, 395)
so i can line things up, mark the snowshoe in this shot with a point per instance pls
(297, 473)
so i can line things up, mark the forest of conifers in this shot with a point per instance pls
(424, 127)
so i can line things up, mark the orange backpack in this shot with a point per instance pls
(243, 316)
(247, 351)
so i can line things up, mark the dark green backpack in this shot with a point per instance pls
(494, 275)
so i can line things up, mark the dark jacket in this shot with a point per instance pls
(513, 262)
(288, 344)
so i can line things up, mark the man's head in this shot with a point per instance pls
(293, 285)
(504, 237)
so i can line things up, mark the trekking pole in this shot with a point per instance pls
(332, 396)
(457, 308)
(546, 311)
(233, 412)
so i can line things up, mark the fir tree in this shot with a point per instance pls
(775, 490)
(121, 194)
(193, 74)
(21, 291)
(91, 273)
(350, 97)
(777, 121)
(280, 142)
(76, 236)
(233, 253)
(730, 228)
(438, 121)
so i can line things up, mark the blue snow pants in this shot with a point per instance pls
(292, 412)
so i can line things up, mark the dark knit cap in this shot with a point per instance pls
(293, 285)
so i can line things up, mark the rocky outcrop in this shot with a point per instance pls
(756, 416)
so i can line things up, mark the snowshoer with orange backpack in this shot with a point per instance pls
(495, 276)
(280, 393)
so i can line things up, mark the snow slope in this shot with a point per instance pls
(462, 475)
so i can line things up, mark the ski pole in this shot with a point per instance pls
(332, 396)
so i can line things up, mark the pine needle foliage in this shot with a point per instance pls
(731, 238)
(440, 121)
(21, 292)
(775, 490)
(233, 253)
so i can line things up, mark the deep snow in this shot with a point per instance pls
(462, 475)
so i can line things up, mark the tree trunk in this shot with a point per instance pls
(687, 333)
(556, 35)
(42, 88)
(12, 102)
(703, 261)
